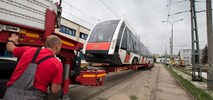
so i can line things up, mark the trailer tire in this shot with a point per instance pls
(135, 60)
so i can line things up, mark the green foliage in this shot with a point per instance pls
(204, 58)
(188, 73)
(133, 97)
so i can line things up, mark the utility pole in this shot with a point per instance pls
(172, 60)
(171, 55)
(195, 45)
(171, 39)
(210, 45)
(166, 54)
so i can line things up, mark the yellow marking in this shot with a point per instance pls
(67, 43)
(93, 75)
(32, 35)
(20, 39)
(88, 75)
(101, 75)
(31, 41)
(120, 69)
(125, 68)
(23, 31)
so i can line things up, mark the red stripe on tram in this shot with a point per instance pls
(98, 46)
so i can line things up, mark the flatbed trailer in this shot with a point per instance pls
(109, 69)
(102, 70)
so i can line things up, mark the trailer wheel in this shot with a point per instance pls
(135, 60)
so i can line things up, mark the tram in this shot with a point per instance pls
(114, 43)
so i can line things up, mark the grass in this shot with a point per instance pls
(133, 97)
(188, 73)
(184, 71)
(198, 93)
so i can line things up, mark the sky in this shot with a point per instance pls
(145, 18)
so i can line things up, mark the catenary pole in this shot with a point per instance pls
(210, 44)
(195, 45)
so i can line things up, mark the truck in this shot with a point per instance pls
(181, 63)
(33, 21)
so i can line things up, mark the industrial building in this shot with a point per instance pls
(73, 30)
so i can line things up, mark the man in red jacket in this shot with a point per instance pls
(39, 66)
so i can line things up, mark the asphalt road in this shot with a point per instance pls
(156, 84)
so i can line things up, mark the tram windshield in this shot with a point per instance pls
(103, 32)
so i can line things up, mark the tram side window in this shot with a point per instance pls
(143, 51)
(124, 41)
(136, 48)
(139, 49)
(130, 41)
(119, 37)
(120, 34)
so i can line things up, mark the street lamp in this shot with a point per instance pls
(172, 23)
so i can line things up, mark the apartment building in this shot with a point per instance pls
(186, 55)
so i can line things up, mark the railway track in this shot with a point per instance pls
(153, 94)
(187, 95)
(192, 97)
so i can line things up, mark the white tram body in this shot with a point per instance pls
(113, 42)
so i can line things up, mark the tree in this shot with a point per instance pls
(204, 59)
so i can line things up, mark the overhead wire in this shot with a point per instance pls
(169, 6)
(81, 11)
(116, 14)
(201, 11)
(187, 10)
(179, 12)
(182, 45)
(201, 1)
(77, 17)
(119, 17)
(109, 9)
(182, 1)
(179, 45)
